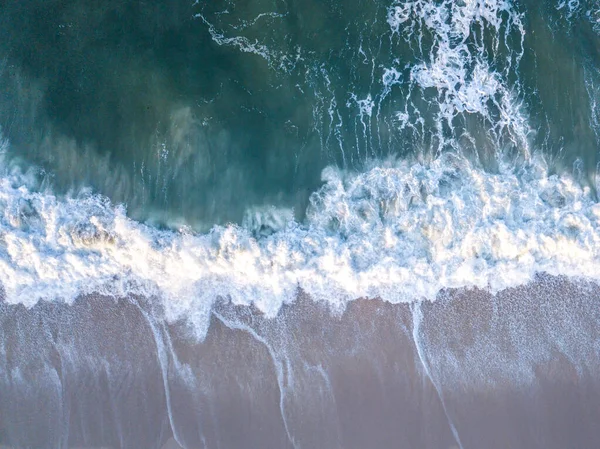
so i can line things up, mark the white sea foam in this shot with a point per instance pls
(456, 61)
(276, 59)
(399, 231)
(242, 43)
(570, 6)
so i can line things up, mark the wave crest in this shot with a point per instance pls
(399, 231)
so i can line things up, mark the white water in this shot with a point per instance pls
(399, 231)
(456, 63)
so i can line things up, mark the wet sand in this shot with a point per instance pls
(517, 370)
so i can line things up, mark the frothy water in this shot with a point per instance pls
(399, 231)
(478, 207)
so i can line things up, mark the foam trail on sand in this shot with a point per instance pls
(417, 314)
(283, 375)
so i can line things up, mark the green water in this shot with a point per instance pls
(194, 112)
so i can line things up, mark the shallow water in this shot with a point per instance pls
(299, 224)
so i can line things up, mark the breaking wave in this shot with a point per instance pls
(398, 231)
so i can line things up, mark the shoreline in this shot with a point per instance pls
(518, 369)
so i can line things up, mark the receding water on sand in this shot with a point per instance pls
(518, 369)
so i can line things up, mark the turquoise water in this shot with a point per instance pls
(192, 113)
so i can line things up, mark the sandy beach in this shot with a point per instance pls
(519, 370)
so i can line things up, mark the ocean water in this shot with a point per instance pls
(316, 224)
